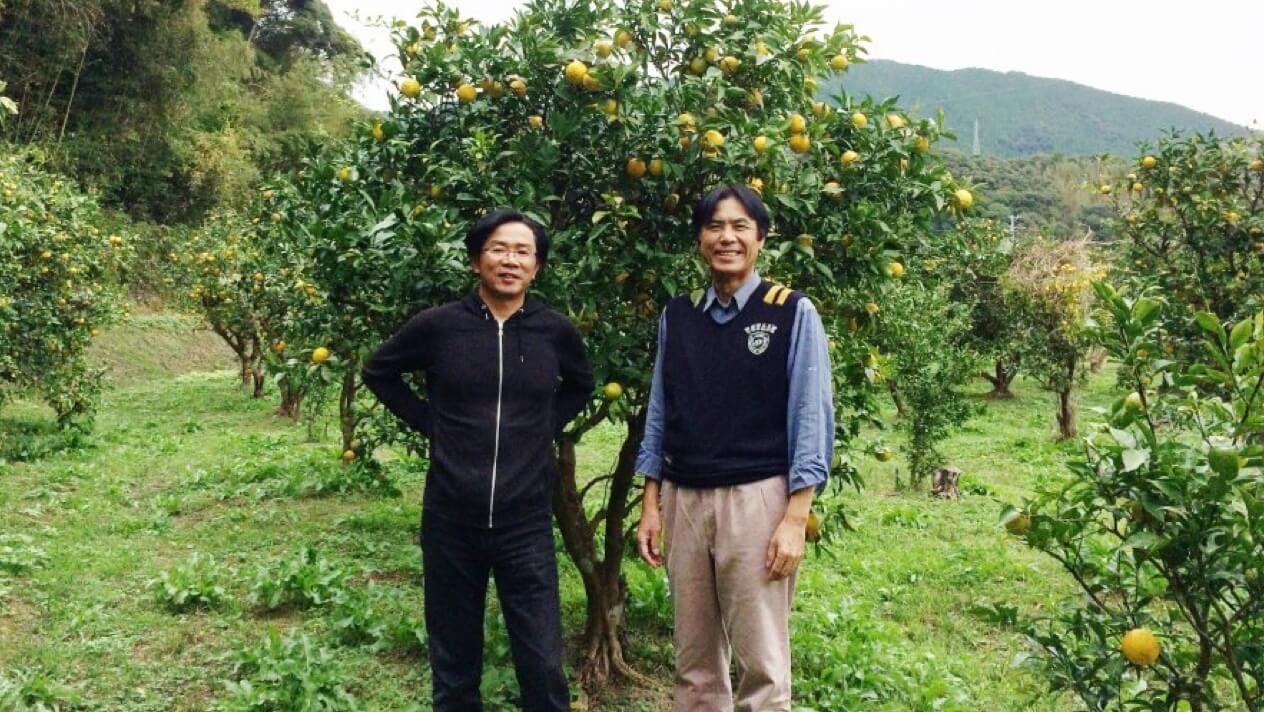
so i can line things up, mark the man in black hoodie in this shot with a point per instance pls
(504, 374)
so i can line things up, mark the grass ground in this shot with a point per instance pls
(183, 461)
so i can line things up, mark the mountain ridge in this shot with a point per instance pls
(1022, 114)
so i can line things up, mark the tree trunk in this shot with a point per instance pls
(604, 586)
(346, 403)
(894, 389)
(291, 400)
(944, 483)
(1066, 400)
(1001, 378)
(1096, 360)
(256, 366)
(1066, 413)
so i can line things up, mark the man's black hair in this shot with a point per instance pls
(750, 200)
(486, 225)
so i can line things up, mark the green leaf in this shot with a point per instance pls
(1145, 308)
(1209, 323)
(1142, 540)
(1134, 459)
(1240, 334)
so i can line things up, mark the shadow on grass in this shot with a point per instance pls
(23, 439)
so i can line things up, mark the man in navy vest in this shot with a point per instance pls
(738, 437)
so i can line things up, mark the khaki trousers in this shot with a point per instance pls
(716, 541)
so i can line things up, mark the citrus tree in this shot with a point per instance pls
(606, 121)
(971, 261)
(57, 286)
(1192, 212)
(1050, 286)
(923, 335)
(224, 271)
(1160, 523)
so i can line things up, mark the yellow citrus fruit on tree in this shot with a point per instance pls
(713, 138)
(859, 120)
(812, 532)
(761, 144)
(797, 123)
(922, 144)
(883, 454)
(611, 107)
(819, 109)
(800, 143)
(535, 122)
(1019, 524)
(279, 346)
(838, 62)
(590, 83)
(635, 168)
(895, 121)
(518, 87)
(1140, 647)
(623, 38)
(1134, 402)
(711, 55)
(665, 5)
(576, 71)
(604, 48)
(344, 174)
(730, 20)
(729, 64)
(698, 65)
(466, 93)
(895, 270)
(871, 308)
(849, 157)
(1149, 162)
(656, 167)
(1104, 190)
(1256, 165)
(410, 88)
(964, 198)
(612, 390)
(834, 190)
(348, 455)
(805, 241)
(378, 134)
(320, 354)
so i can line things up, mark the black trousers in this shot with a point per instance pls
(456, 561)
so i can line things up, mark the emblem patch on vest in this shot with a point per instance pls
(758, 336)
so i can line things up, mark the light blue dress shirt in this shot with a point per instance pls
(810, 411)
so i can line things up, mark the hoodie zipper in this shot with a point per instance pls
(500, 384)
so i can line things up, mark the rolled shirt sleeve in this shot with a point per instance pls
(649, 458)
(810, 410)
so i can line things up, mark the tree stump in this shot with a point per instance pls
(944, 482)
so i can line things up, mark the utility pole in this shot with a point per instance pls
(1013, 225)
(976, 151)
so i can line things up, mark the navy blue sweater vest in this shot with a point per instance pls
(726, 391)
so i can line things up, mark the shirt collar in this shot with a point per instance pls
(742, 294)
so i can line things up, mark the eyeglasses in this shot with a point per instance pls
(500, 252)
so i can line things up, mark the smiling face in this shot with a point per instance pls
(730, 241)
(507, 264)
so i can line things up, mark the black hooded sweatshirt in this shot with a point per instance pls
(497, 394)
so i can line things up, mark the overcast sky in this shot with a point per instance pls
(1207, 55)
